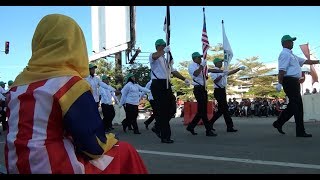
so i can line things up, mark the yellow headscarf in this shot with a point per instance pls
(58, 49)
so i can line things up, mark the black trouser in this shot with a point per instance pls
(202, 100)
(220, 96)
(163, 98)
(291, 87)
(108, 115)
(131, 116)
(154, 111)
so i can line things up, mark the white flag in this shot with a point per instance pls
(228, 54)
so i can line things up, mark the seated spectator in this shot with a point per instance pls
(54, 123)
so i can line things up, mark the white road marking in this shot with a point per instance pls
(217, 158)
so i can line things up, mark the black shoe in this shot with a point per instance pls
(304, 135)
(153, 129)
(231, 130)
(210, 133)
(191, 130)
(136, 132)
(278, 127)
(146, 124)
(168, 141)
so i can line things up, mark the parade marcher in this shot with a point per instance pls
(95, 82)
(60, 131)
(154, 110)
(161, 69)
(220, 83)
(200, 92)
(10, 82)
(130, 100)
(289, 66)
(106, 103)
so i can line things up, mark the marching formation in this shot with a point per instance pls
(58, 93)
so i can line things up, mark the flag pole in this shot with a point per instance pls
(168, 43)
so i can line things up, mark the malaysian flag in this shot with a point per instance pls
(205, 43)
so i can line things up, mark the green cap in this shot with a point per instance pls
(92, 66)
(160, 42)
(10, 82)
(128, 76)
(104, 77)
(2, 83)
(288, 38)
(217, 60)
(196, 54)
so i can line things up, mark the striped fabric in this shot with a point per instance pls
(30, 148)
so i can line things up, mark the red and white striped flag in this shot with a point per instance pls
(205, 43)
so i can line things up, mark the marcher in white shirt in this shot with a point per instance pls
(220, 83)
(161, 70)
(289, 66)
(106, 103)
(95, 83)
(130, 100)
(200, 92)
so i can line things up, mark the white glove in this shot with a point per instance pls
(203, 63)
(242, 67)
(279, 87)
(187, 81)
(166, 49)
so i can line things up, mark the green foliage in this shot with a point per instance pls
(106, 67)
(141, 73)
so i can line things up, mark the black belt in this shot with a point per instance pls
(289, 77)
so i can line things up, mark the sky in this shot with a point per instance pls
(251, 30)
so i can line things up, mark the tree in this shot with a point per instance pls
(255, 75)
(140, 72)
(104, 67)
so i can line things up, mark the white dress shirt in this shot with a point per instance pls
(160, 67)
(107, 95)
(148, 86)
(290, 63)
(95, 83)
(130, 93)
(196, 80)
(223, 81)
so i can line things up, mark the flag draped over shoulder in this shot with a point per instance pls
(228, 54)
(306, 51)
(205, 43)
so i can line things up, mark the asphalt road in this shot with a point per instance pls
(257, 148)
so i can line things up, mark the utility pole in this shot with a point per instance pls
(118, 62)
(118, 68)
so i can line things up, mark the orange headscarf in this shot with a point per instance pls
(58, 49)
